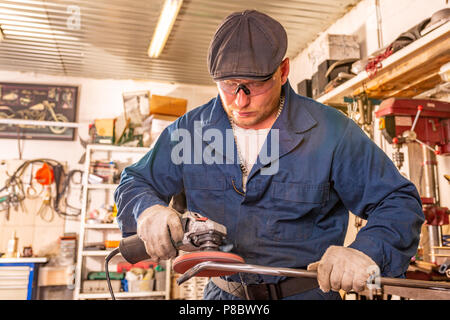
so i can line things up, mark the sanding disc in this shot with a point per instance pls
(183, 263)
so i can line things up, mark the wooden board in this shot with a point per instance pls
(406, 73)
(417, 294)
(411, 75)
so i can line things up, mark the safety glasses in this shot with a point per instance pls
(251, 88)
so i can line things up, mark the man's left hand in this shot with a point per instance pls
(342, 268)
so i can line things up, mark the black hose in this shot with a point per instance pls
(61, 190)
(109, 257)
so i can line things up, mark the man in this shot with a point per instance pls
(289, 209)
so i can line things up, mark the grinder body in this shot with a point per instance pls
(200, 233)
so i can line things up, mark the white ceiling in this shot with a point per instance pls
(110, 38)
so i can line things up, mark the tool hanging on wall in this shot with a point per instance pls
(63, 183)
(34, 189)
(46, 211)
(45, 177)
(14, 192)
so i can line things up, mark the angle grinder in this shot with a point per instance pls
(203, 240)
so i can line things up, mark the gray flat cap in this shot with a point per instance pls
(247, 45)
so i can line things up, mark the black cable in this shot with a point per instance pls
(109, 257)
(60, 191)
(19, 171)
(58, 169)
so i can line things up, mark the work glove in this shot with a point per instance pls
(160, 228)
(343, 268)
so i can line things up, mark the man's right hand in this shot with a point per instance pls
(153, 227)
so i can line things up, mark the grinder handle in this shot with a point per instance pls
(133, 249)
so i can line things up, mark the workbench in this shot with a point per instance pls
(18, 278)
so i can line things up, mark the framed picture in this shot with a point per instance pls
(41, 102)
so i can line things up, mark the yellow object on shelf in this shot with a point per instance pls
(111, 243)
(167, 105)
(105, 130)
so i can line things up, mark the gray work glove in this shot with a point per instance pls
(343, 268)
(153, 227)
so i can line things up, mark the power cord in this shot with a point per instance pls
(109, 257)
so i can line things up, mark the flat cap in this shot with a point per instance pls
(247, 45)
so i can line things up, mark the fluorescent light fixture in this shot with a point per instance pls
(165, 23)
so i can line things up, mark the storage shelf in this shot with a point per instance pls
(24, 260)
(123, 295)
(103, 186)
(97, 253)
(25, 122)
(88, 259)
(406, 73)
(107, 147)
(101, 226)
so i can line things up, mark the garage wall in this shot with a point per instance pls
(97, 99)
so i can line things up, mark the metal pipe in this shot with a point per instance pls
(300, 273)
(431, 191)
(379, 24)
(429, 160)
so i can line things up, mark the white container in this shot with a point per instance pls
(160, 277)
(141, 285)
(340, 46)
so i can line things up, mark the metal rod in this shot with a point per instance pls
(13, 121)
(425, 145)
(419, 110)
(300, 273)
(429, 160)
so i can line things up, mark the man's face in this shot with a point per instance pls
(252, 111)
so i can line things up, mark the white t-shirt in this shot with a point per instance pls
(249, 143)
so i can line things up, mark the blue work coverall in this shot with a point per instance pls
(326, 167)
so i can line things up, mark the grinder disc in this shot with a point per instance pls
(183, 263)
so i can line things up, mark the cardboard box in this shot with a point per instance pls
(159, 123)
(56, 276)
(164, 105)
(141, 285)
(104, 131)
(333, 47)
(340, 46)
(100, 286)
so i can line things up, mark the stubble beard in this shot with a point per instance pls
(259, 118)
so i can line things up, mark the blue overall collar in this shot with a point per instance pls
(292, 123)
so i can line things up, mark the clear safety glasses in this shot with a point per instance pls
(251, 88)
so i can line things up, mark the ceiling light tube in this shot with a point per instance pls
(165, 23)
